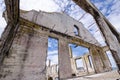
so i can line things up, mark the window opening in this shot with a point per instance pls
(111, 59)
(90, 61)
(76, 30)
(79, 64)
(52, 57)
(79, 55)
(78, 51)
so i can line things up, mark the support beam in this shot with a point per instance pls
(12, 9)
(112, 37)
(89, 64)
(97, 62)
(65, 69)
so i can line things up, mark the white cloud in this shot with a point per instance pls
(52, 56)
(54, 52)
(44, 5)
(99, 37)
(54, 59)
(2, 20)
(111, 9)
(115, 20)
(114, 16)
(112, 61)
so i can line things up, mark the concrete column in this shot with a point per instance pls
(73, 63)
(65, 69)
(110, 38)
(85, 64)
(97, 62)
(89, 64)
(35, 62)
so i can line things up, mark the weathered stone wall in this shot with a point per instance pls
(65, 69)
(59, 22)
(27, 56)
(25, 49)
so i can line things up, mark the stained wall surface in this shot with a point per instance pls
(26, 59)
(59, 22)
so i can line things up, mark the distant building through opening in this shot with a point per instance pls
(79, 64)
(52, 58)
(81, 59)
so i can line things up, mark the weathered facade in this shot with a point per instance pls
(23, 46)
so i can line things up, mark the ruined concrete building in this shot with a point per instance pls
(23, 45)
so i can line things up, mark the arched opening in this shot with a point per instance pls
(76, 30)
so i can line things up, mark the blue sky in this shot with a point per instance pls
(112, 61)
(78, 50)
(2, 21)
(110, 8)
(52, 53)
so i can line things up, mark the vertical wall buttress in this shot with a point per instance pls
(65, 70)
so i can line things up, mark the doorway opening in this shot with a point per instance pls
(112, 61)
(52, 58)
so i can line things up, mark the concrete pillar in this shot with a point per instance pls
(97, 62)
(85, 64)
(110, 38)
(89, 64)
(73, 63)
(35, 64)
(65, 69)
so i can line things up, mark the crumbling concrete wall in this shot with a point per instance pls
(25, 50)
(52, 71)
(27, 56)
(59, 22)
